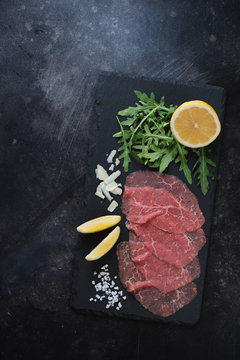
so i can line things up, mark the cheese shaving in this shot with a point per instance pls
(112, 206)
(112, 177)
(108, 184)
(116, 191)
(99, 192)
(105, 191)
(111, 156)
(113, 185)
(101, 173)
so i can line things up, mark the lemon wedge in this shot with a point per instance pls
(104, 246)
(99, 224)
(195, 124)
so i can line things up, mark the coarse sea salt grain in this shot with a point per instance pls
(107, 289)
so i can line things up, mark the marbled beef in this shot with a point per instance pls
(159, 263)
(175, 249)
(150, 297)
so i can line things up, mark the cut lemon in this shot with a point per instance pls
(99, 224)
(104, 245)
(195, 124)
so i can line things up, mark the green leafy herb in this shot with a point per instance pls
(201, 165)
(182, 153)
(124, 148)
(145, 135)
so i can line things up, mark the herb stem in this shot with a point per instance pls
(158, 136)
(142, 121)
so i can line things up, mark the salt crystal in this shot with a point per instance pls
(98, 287)
(105, 287)
(109, 291)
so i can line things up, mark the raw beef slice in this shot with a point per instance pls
(169, 183)
(157, 273)
(175, 249)
(161, 208)
(150, 297)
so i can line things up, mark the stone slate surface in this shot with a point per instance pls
(50, 56)
(116, 92)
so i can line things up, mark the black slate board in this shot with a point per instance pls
(116, 93)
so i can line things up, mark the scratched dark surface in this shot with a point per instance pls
(51, 53)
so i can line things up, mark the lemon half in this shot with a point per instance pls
(195, 124)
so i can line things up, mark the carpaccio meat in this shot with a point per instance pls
(158, 273)
(161, 208)
(159, 263)
(150, 297)
(176, 249)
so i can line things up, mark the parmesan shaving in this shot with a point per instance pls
(99, 192)
(112, 206)
(100, 195)
(112, 177)
(117, 161)
(105, 191)
(111, 156)
(116, 191)
(113, 185)
(108, 184)
(101, 173)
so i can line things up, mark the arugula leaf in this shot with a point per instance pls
(170, 154)
(182, 152)
(136, 157)
(144, 99)
(129, 111)
(202, 173)
(128, 122)
(118, 134)
(124, 148)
